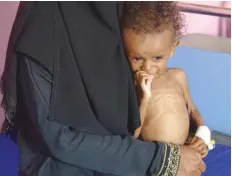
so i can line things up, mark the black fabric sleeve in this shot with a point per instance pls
(117, 155)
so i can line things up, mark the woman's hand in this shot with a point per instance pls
(199, 145)
(191, 163)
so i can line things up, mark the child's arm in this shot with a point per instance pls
(197, 118)
(193, 112)
(143, 82)
(198, 142)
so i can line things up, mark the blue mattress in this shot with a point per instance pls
(218, 161)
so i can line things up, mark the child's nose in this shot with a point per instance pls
(146, 66)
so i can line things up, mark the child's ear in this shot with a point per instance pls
(175, 44)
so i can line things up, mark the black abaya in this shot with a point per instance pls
(68, 89)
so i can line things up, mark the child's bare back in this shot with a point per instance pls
(167, 116)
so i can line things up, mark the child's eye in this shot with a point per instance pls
(136, 58)
(158, 58)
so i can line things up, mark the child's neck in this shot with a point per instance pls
(160, 73)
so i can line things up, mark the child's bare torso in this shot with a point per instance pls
(167, 117)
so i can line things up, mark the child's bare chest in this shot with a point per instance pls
(166, 84)
(167, 97)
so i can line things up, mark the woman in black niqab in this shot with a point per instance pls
(68, 89)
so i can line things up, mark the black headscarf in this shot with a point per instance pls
(80, 44)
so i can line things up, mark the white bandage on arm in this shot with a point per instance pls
(204, 133)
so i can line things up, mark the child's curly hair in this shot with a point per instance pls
(152, 16)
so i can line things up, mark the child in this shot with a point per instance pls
(150, 34)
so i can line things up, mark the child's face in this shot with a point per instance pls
(149, 52)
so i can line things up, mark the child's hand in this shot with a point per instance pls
(199, 145)
(144, 80)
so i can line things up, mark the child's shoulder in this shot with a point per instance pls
(177, 73)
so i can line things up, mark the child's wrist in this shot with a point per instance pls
(204, 133)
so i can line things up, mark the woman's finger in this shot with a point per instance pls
(205, 152)
(197, 143)
(201, 147)
(196, 173)
(194, 139)
(202, 166)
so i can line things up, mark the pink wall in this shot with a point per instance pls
(7, 15)
(204, 24)
(195, 24)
